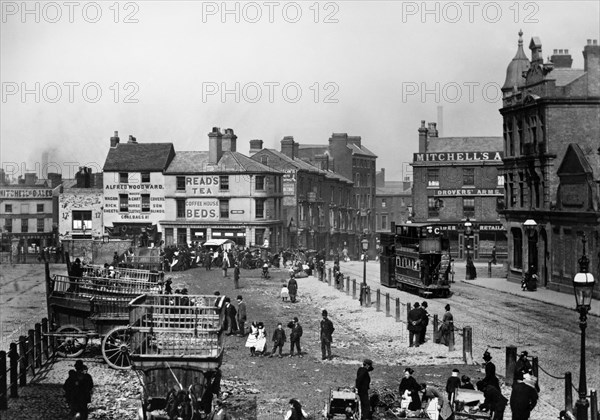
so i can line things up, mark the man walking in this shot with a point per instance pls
(425, 322)
(293, 288)
(241, 316)
(236, 276)
(230, 317)
(295, 336)
(524, 398)
(327, 330)
(415, 325)
(278, 339)
(363, 381)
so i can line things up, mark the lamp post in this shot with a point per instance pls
(363, 289)
(470, 268)
(583, 287)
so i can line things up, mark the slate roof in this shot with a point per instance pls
(565, 76)
(362, 150)
(139, 157)
(193, 162)
(392, 191)
(465, 144)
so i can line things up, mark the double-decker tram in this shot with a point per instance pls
(420, 253)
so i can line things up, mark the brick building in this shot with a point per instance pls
(393, 202)
(347, 156)
(317, 207)
(551, 122)
(222, 194)
(455, 178)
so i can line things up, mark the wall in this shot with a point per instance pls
(79, 199)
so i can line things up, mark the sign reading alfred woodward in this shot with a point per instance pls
(457, 157)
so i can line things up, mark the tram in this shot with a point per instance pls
(416, 257)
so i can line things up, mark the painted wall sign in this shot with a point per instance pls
(202, 209)
(25, 193)
(202, 184)
(457, 157)
(470, 191)
(237, 212)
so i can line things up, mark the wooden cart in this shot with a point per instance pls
(466, 396)
(80, 309)
(343, 402)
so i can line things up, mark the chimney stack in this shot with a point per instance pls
(229, 141)
(215, 146)
(114, 140)
(132, 140)
(255, 146)
(287, 146)
(30, 178)
(354, 140)
(591, 65)
(322, 162)
(561, 59)
(296, 150)
(422, 138)
(432, 130)
(536, 51)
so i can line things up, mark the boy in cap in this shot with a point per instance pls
(452, 385)
(363, 381)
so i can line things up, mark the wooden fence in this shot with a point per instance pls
(24, 358)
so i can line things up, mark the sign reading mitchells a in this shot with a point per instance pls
(202, 209)
(202, 184)
(457, 157)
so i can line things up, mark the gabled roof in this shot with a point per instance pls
(139, 157)
(574, 162)
(465, 144)
(565, 76)
(193, 162)
(362, 150)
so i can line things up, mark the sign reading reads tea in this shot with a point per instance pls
(201, 184)
(202, 209)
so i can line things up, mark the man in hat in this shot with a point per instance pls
(523, 398)
(522, 366)
(78, 390)
(363, 381)
(415, 325)
(241, 316)
(452, 384)
(494, 400)
(326, 336)
(295, 336)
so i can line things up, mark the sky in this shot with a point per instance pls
(73, 73)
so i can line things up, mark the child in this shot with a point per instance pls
(285, 294)
(252, 339)
(278, 339)
(261, 339)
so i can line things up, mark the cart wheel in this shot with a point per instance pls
(69, 344)
(116, 348)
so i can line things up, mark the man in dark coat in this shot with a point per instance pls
(363, 381)
(494, 400)
(415, 325)
(241, 316)
(424, 306)
(490, 371)
(78, 390)
(327, 330)
(278, 339)
(523, 398)
(452, 384)
(236, 276)
(230, 317)
(293, 288)
(295, 336)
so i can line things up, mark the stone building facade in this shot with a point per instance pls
(551, 122)
(393, 202)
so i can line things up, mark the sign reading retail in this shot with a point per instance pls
(469, 191)
(202, 209)
(202, 184)
(457, 157)
(25, 193)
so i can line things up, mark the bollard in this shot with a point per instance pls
(3, 387)
(353, 288)
(45, 338)
(451, 340)
(23, 361)
(329, 276)
(14, 361)
(348, 285)
(535, 368)
(468, 345)
(594, 404)
(408, 308)
(31, 351)
(511, 365)
(368, 291)
(378, 297)
(397, 309)
(38, 345)
(436, 329)
(568, 392)
(489, 269)
(387, 304)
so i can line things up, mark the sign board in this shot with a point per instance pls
(458, 157)
(202, 185)
(202, 209)
(237, 212)
(470, 191)
(25, 193)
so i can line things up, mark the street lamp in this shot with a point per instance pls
(583, 286)
(363, 289)
(470, 273)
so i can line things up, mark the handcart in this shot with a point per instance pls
(466, 405)
(342, 402)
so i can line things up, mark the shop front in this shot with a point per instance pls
(484, 237)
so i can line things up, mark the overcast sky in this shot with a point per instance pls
(170, 71)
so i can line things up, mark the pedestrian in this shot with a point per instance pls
(261, 339)
(490, 371)
(327, 330)
(494, 401)
(78, 390)
(363, 381)
(278, 339)
(252, 339)
(447, 327)
(452, 384)
(295, 336)
(115, 259)
(415, 324)
(523, 398)
(241, 316)
(75, 276)
(285, 293)
(494, 255)
(296, 412)
(168, 288)
(207, 260)
(466, 382)
(293, 288)
(425, 318)
(236, 276)
(230, 317)
(443, 406)
(224, 266)
(522, 366)
(409, 389)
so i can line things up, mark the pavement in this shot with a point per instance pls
(500, 284)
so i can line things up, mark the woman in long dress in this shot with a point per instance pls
(410, 387)
(252, 339)
(447, 327)
(261, 340)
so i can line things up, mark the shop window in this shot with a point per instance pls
(259, 237)
(8, 225)
(8, 208)
(259, 208)
(181, 236)
(432, 208)
(468, 176)
(180, 203)
(145, 177)
(433, 178)
(145, 203)
(24, 225)
(260, 183)
(224, 209)
(82, 220)
(224, 182)
(123, 177)
(180, 183)
(123, 202)
(468, 207)
(40, 225)
(517, 248)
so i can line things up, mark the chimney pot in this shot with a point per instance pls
(589, 42)
(595, 42)
(114, 140)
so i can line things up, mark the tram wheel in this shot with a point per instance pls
(70, 343)
(116, 348)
